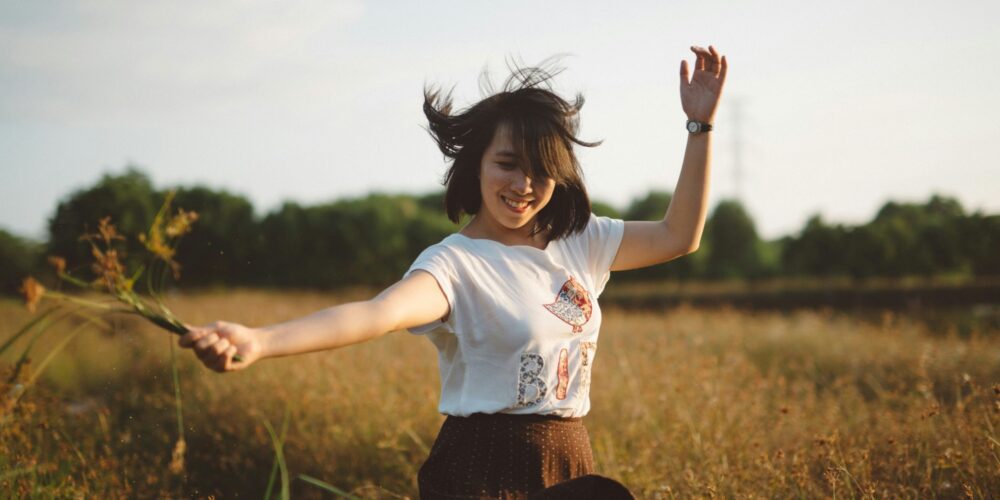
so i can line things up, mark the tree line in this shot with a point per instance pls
(372, 240)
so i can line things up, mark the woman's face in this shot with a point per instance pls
(510, 198)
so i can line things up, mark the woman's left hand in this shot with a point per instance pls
(700, 92)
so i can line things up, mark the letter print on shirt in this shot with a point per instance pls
(530, 387)
(586, 364)
(572, 305)
(563, 372)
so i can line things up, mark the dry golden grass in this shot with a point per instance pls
(685, 403)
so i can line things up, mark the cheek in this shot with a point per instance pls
(488, 176)
(488, 183)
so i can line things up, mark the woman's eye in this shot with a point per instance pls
(507, 166)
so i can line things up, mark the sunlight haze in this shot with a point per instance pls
(842, 106)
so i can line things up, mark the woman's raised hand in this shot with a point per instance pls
(218, 343)
(700, 92)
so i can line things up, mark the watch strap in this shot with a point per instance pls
(701, 127)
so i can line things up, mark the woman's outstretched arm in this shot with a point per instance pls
(413, 301)
(646, 243)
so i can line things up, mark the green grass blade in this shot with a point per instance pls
(14, 397)
(75, 281)
(177, 460)
(327, 486)
(42, 328)
(24, 329)
(59, 347)
(280, 457)
(16, 472)
(271, 479)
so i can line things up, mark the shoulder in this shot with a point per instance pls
(595, 248)
(443, 254)
(604, 225)
(452, 243)
(599, 230)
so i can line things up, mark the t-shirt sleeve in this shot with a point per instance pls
(434, 260)
(603, 236)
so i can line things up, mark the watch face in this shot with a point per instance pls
(692, 127)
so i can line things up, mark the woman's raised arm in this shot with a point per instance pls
(646, 243)
(413, 301)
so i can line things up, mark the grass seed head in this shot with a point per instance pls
(177, 457)
(180, 224)
(162, 237)
(107, 231)
(107, 266)
(58, 264)
(32, 291)
(109, 269)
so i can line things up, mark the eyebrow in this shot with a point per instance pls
(507, 153)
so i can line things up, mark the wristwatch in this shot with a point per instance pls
(698, 127)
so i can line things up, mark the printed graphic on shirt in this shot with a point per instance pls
(530, 387)
(572, 305)
(586, 363)
(563, 373)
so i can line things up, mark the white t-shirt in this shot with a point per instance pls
(522, 332)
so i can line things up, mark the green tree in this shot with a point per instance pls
(18, 258)
(733, 243)
(920, 239)
(223, 244)
(653, 206)
(368, 241)
(128, 198)
(602, 209)
(867, 251)
(431, 202)
(816, 251)
(980, 240)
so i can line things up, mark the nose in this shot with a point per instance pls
(521, 184)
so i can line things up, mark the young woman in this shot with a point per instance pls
(510, 299)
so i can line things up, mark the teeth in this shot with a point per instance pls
(514, 204)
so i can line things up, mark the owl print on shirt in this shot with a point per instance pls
(572, 305)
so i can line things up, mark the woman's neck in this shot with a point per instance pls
(479, 228)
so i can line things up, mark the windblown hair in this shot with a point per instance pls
(542, 129)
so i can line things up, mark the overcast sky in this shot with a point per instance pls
(842, 105)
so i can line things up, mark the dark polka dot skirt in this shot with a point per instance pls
(510, 456)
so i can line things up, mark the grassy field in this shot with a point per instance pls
(686, 402)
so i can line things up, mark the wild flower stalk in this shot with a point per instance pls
(111, 277)
(18, 388)
(180, 447)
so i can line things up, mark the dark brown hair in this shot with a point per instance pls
(542, 128)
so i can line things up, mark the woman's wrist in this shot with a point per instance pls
(265, 337)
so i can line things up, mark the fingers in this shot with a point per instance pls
(223, 361)
(708, 60)
(227, 359)
(219, 356)
(218, 348)
(716, 60)
(202, 345)
(193, 335)
(699, 62)
(212, 346)
(685, 76)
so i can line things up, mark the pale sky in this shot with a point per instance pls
(843, 105)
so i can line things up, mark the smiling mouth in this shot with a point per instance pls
(516, 205)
